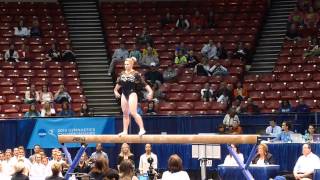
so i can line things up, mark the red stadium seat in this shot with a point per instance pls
(286, 95)
(302, 76)
(192, 96)
(278, 85)
(10, 108)
(295, 85)
(272, 104)
(177, 87)
(256, 95)
(272, 94)
(56, 73)
(7, 90)
(74, 89)
(167, 106)
(305, 94)
(39, 81)
(41, 73)
(175, 96)
(14, 99)
(6, 82)
(193, 87)
(267, 77)
(200, 79)
(261, 86)
(72, 81)
(78, 98)
(71, 73)
(187, 106)
(185, 79)
(200, 105)
(285, 77)
(3, 99)
(311, 85)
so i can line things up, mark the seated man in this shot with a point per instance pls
(119, 54)
(144, 38)
(302, 107)
(149, 58)
(62, 95)
(273, 129)
(68, 54)
(146, 158)
(250, 107)
(304, 166)
(153, 75)
(218, 70)
(209, 50)
(285, 135)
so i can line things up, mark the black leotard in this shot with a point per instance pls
(132, 82)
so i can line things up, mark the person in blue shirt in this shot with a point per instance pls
(285, 107)
(66, 110)
(32, 112)
(302, 107)
(285, 135)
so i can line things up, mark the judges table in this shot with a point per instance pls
(258, 172)
(316, 174)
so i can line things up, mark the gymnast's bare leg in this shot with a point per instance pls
(133, 105)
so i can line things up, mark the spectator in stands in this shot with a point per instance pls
(125, 154)
(285, 107)
(170, 73)
(144, 37)
(47, 110)
(302, 107)
(119, 54)
(101, 170)
(62, 95)
(35, 30)
(263, 157)
(273, 129)
(83, 166)
(230, 119)
(296, 18)
(209, 50)
(144, 164)
(153, 76)
(32, 95)
(197, 21)
(308, 136)
(167, 22)
(11, 54)
(313, 51)
(146, 50)
(21, 30)
(211, 19)
(236, 128)
(66, 110)
(182, 23)
(241, 52)
(85, 110)
(311, 18)
(68, 54)
(202, 68)
(32, 112)
(250, 108)
(236, 104)
(54, 53)
(221, 52)
(126, 170)
(135, 52)
(240, 92)
(157, 93)
(99, 153)
(45, 95)
(285, 135)
(20, 171)
(229, 159)
(305, 165)
(224, 93)
(24, 53)
(151, 108)
(180, 59)
(149, 59)
(56, 171)
(175, 169)
(221, 129)
(37, 170)
(192, 60)
(292, 33)
(218, 70)
(207, 94)
(181, 47)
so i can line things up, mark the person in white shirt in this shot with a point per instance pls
(38, 170)
(145, 158)
(119, 54)
(7, 169)
(22, 157)
(230, 160)
(47, 110)
(11, 55)
(273, 129)
(99, 153)
(231, 118)
(21, 30)
(209, 50)
(306, 163)
(175, 169)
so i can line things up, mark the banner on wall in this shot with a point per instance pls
(46, 130)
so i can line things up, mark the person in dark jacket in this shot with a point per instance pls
(101, 170)
(19, 172)
(263, 156)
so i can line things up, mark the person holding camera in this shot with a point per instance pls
(148, 161)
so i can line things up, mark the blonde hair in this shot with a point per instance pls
(55, 168)
(19, 167)
(129, 151)
(264, 147)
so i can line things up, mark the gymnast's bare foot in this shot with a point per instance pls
(123, 133)
(142, 132)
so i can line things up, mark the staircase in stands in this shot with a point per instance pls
(88, 42)
(272, 34)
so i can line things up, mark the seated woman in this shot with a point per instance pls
(308, 136)
(126, 170)
(229, 160)
(263, 157)
(285, 107)
(175, 169)
(47, 110)
(32, 112)
(124, 154)
(45, 95)
(66, 110)
(85, 110)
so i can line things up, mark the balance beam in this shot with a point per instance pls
(161, 139)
